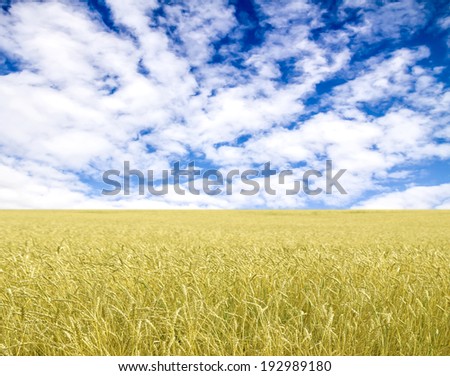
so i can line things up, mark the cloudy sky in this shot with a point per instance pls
(87, 85)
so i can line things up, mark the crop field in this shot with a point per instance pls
(224, 283)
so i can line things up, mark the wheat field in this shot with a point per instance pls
(224, 283)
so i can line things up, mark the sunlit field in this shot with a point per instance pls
(224, 283)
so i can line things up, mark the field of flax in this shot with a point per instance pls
(224, 283)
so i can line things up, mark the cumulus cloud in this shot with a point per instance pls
(386, 19)
(83, 89)
(431, 197)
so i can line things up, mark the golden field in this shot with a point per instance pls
(224, 283)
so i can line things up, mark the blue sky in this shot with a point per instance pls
(87, 85)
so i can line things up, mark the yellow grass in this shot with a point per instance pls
(224, 283)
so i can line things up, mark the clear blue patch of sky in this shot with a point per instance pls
(8, 64)
(5, 5)
(239, 141)
(94, 182)
(423, 173)
(431, 172)
(250, 34)
(247, 16)
(142, 69)
(101, 8)
(104, 11)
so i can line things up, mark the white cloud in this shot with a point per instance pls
(390, 19)
(198, 26)
(86, 98)
(382, 79)
(420, 197)
(444, 23)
